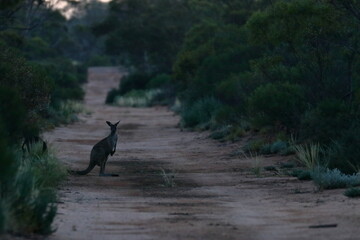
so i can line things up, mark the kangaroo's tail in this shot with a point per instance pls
(86, 171)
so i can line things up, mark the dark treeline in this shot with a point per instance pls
(280, 68)
(43, 59)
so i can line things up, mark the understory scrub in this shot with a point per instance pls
(256, 163)
(137, 98)
(28, 198)
(326, 178)
(67, 112)
(352, 192)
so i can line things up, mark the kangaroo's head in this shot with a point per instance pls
(112, 126)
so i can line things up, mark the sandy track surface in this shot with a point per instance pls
(215, 194)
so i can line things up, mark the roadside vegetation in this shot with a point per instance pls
(43, 61)
(273, 69)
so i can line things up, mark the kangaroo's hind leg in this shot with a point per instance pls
(102, 169)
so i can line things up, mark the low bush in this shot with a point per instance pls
(159, 81)
(254, 145)
(33, 205)
(235, 133)
(46, 162)
(137, 98)
(111, 95)
(200, 114)
(221, 133)
(352, 192)
(2, 217)
(326, 121)
(66, 112)
(228, 133)
(344, 153)
(28, 196)
(134, 81)
(276, 104)
(227, 115)
(273, 148)
(326, 178)
(278, 146)
(301, 174)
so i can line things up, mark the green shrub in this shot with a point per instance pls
(66, 112)
(159, 81)
(137, 98)
(134, 81)
(236, 132)
(254, 146)
(33, 206)
(99, 60)
(2, 217)
(12, 114)
(226, 115)
(228, 133)
(352, 192)
(278, 146)
(200, 113)
(29, 194)
(29, 82)
(326, 121)
(344, 152)
(301, 174)
(221, 132)
(44, 163)
(111, 95)
(277, 105)
(266, 149)
(273, 148)
(326, 178)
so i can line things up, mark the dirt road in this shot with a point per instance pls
(215, 195)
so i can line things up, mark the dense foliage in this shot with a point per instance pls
(279, 67)
(43, 57)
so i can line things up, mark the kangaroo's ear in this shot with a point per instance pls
(108, 123)
(116, 123)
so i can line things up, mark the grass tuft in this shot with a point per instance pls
(308, 155)
(168, 178)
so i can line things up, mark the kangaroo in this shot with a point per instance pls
(100, 152)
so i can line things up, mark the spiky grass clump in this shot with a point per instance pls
(44, 163)
(257, 169)
(33, 205)
(67, 112)
(308, 155)
(168, 178)
(256, 163)
(28, 197)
